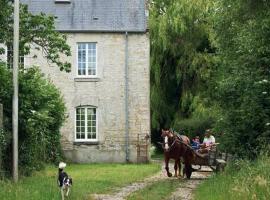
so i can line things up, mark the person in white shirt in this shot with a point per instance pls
(208, 141)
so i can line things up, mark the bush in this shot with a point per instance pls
(41, 114)
(192, 127)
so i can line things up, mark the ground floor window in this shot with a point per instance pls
(86, 123)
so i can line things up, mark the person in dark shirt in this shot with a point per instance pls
(196, 143)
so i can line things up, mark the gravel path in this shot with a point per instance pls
(183, 193)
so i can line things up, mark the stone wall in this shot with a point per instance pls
(107, 93)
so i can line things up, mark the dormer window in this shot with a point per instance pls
(62, 1)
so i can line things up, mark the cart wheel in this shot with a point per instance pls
(220, 165)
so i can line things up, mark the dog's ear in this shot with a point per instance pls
(70, 181)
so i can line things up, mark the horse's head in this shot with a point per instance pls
(168, 138)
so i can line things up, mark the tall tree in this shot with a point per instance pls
(179, 56)
(241, 33)
(35, 31)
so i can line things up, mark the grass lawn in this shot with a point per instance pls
(87, 178)
(157, 191)
(242, 181)
(158, 156)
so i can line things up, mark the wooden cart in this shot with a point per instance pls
(213, 159)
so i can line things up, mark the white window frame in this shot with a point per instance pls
(9, 58)
(85, 126)
(77, 61)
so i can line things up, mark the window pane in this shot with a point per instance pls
(90, 111)
(81, 59)
(91, 58)
(80, 123)
(91, 127)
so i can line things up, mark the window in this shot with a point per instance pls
(87, 59)
(10, 58)
(86, 124)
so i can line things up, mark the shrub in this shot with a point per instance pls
(41, 114)
(192, 127)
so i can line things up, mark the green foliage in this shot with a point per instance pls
(242, 80)
(193, 127)
(41, 114)
(179, 58)
(36, 31)
(210, 60)
(241, 180)
(41, 107)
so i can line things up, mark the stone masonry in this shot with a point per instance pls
(107, 93)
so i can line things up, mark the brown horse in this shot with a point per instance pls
(177, 147)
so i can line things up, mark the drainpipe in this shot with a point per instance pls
(126, 100)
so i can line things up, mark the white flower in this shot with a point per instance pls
(264, 92)
(265, 81)
(33, 111)
(267, 124)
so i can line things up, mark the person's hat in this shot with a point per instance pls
(62, 165)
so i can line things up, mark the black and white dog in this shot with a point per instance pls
(64, 181)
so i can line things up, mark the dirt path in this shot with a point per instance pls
(183, 193)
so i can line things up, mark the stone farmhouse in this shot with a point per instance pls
(107, 91)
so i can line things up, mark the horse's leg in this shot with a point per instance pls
(188, 167)
(167, 167)
(188, 170)
(176, 162)
(180, 168)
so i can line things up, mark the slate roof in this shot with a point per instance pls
(93, 15)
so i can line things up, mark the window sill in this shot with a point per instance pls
(86, 79)
(86, 143)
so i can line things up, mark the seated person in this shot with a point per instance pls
(196, 143)
(208, 141)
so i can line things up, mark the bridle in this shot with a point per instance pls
(170, 147)
(177, 139)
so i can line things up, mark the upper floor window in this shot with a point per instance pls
(87, 59)
(86, 123)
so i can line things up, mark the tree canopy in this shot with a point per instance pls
(36, 31)
(179, 59)
(211, 58)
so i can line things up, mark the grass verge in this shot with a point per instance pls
(242, 180)
(157, 191)
(87, 178)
